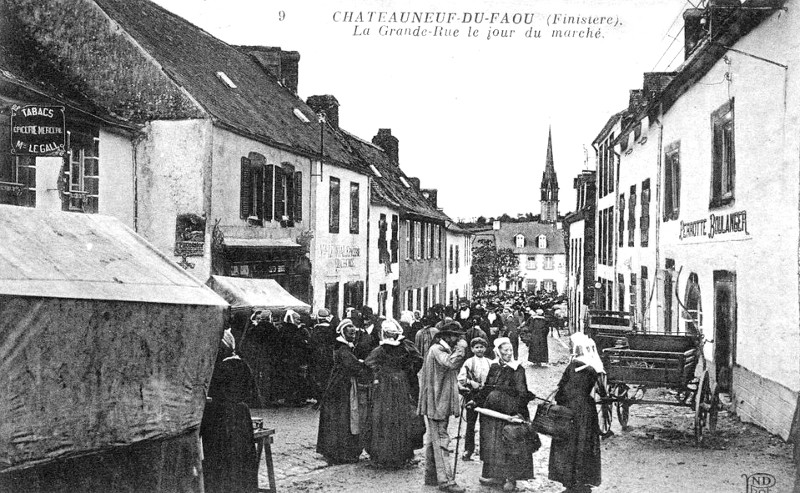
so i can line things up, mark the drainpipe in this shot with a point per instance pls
(658, 214)
(366, 254)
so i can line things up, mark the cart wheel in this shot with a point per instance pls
(704, 402)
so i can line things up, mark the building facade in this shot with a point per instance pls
(580, 252)
(708, 182)
(458, 280)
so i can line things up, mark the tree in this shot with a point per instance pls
(505, 218)
(489, 264)
(481, 220)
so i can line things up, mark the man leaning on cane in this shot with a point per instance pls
(438, 400)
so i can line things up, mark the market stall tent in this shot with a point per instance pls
(106, 352)
(245, 294)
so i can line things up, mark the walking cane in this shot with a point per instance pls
(458, 435)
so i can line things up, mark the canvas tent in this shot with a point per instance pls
(245, 293)
(106, 351)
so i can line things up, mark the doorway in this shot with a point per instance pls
(724, 328)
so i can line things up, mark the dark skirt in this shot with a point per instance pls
(499, 460)
(229, 454)
(394, 424)
(538, 352)
(334, 439)
(575, 461)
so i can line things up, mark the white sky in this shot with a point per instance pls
(471, 114)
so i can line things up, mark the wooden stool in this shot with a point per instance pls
(263, 440)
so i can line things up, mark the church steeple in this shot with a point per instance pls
(549, 201)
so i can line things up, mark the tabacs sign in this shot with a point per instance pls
(37, 130)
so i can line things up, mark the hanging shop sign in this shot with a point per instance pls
(715, 225)
(37, 130)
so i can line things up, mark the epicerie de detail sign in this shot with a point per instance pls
(37, 130)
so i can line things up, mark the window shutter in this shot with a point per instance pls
(269, 177)
(245, 192)
(298, 196)
(676, 170)
(289, 193)
(667, 187)
(280, 197)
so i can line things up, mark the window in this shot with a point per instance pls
(723, 171)
(520, 241)
(672, 181)
(450, 270)
(394, 244)
(332, 297)
(458, 259)
(644, 220)
(334, 198)
(542, 241)
(418, 240)
(423, 235)
(19, 173)
(382, 295)
(621, 229)
(270, 192)
(530, 264)
(439, 242)
(631, 215)
(419, 299)
(693, 315)
(621, 293)
(436, 253)
(548, 262)
(354, 294)
(83, 173)
(644, 300)
(354, 204)
(383, 251)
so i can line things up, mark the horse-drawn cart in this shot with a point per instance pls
(640, 361)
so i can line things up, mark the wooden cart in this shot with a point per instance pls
(656, 360)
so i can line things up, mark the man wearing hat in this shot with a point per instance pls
(438, 400)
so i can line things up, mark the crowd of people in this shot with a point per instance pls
(381, 384)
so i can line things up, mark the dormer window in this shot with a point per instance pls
(520, 240)
(542, 240)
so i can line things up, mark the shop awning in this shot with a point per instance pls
(245, 293)
(261, 243)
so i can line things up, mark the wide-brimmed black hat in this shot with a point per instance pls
(452, 328)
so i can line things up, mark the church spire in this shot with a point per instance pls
(549, 187)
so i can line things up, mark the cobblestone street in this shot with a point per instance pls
(656, 454)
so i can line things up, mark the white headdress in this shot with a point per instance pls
(391, 332)
(584, 351)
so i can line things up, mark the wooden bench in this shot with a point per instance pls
(262, 437)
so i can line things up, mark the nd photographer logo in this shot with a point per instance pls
(759, 482)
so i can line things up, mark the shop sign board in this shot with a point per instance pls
(38, 130)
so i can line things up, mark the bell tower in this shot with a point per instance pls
(549, 201)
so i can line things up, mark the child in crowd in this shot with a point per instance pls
(471, 379)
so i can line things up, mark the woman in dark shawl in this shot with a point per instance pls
(395, 427)
(230, 463)
(338, 436)
(575, 461)
(535, 333)
(505, 391)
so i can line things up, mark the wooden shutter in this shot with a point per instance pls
(269, 180)
(298, 196)
(245, 191)
(289, 174)
(280, 197)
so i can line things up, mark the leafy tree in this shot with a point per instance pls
(481, 220)
(489, 264)
(505, 218)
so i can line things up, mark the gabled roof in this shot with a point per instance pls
(505, 237)
(389, 189)
(608, 126)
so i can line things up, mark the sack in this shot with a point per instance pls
(520, 438)
(554, 420)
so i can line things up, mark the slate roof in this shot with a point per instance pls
(389, 190)
(505, 237)
(608, 126)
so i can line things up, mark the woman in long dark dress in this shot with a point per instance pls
(505, 391)
(230, 463)
(536, 331)
(394, 423)
(575, 461)
(338, 436)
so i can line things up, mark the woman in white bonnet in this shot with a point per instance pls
(575, 461)
(395, 429)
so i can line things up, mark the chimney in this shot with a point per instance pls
(432, 195)
(389, 143)
(283, 65)
(414, 182)
(327, 105)
(694, 28)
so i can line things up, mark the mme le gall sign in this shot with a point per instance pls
(37, 130)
